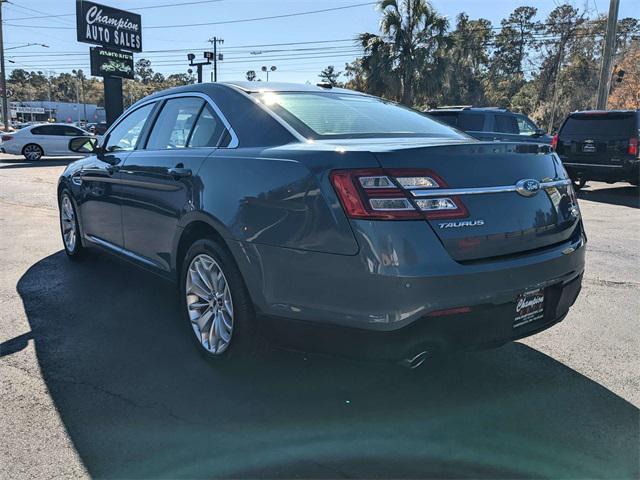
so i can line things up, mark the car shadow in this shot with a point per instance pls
(44, 162)
(138, 401)
(627, 196)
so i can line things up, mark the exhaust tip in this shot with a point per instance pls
(416, 361)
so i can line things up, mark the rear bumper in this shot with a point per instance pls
(486, 326)
(628, 170)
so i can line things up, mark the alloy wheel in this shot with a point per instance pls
(68, 221)
(32, 152)
(209, 304)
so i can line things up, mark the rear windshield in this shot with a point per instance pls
(334, 115)
(620, 124)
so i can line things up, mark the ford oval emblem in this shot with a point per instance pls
(528, 187)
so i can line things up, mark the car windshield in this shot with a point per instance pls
(336, 115)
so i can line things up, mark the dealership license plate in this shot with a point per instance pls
(529, 307)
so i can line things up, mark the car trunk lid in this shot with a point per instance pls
(484, 179)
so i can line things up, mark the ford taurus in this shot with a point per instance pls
(328, 219)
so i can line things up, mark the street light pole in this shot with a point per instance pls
(215, 41)
(3, 78)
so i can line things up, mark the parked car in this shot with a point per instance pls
(600, 145)
(37, 141)
(97, 128)
(289, 209)
(493, 124)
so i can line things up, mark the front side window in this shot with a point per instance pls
(526, 126)
(125, 135)
(174, 123)
(506, 124)
(333, 115)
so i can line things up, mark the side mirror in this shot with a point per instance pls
(84, 145)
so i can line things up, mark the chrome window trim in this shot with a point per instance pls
(234, 138)
(444, 192)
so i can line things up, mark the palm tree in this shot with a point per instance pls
(418, 37)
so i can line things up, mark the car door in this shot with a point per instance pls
(49, 137)
(159, 181)
(100, 208)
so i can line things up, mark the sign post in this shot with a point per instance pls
(119, 33)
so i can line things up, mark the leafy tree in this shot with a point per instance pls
(330, 75)
(468, 61)
(251, 75)
(626, 94)
(417, 34)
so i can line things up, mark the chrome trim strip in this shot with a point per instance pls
(592, 165)
(117, 249)
(445, 192)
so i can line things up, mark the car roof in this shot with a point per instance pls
(601, 112)
(468, 108)
(253, 87)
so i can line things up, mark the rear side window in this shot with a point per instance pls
(471, 122)
(619, 124)
(506, 124)
(448, 118)
(45, 130)
(174, 123)
(207, 130)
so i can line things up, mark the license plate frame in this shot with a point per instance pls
(530, 306)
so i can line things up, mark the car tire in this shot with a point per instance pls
(69, 226)
(32, 152)
(222, 322)
(578, 183)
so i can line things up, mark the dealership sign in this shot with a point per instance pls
(108, 26)
(111, 63)
(27, 109)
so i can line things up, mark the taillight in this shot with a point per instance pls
(6, 138)
(386, 195)
(554, 142)
(633, 146)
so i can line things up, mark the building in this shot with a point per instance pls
(43, 111)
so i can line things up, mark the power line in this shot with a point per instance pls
(225, 22)
(45, 15)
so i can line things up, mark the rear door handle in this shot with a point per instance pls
(179, 172)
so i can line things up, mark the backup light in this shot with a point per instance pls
(376, 182)
(417, 182)
(385, 204)
(431, 204)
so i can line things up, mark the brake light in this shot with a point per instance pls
(554, 142)
(6, 138)
(386, 195)
(633, 146)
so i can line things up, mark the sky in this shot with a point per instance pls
(311, 41)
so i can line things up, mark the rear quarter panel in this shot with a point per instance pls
(278, 197)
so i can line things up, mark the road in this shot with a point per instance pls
(99, 378)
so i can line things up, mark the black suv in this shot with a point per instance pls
(493, 124)
(600, 145)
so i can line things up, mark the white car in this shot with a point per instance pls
(37, 141)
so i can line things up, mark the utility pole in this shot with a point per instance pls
(215, 41)
(3, 77)
(608, 51)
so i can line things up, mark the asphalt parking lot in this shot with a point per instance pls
(98, 377)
